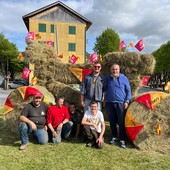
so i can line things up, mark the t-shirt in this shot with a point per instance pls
(76, 117)
(56, 115)
(36, 114)
(97, 119)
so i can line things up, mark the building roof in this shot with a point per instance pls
(58, 3)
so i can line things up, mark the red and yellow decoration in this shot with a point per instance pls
(150, 100)
(80, 73)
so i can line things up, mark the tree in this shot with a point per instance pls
(107, 42)
(8, 58)
(162, 57)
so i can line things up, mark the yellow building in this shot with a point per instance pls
(61, 25)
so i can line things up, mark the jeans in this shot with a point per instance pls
(87, 105)
(116, 116)
(40, 135)
(63, 133)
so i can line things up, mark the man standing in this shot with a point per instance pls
(76, 117)
(93, 87)
(118, 96)
(33, 119)
(94, 126)
(58, 121)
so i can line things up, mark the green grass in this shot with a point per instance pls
(69, 155)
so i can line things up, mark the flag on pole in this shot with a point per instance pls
(21, 57)
(49, 43)
(25, 73)
(131, 44)
(60, 56)
(93, 57)
(122, 45)
(30, 36)
(100, 58)
(37, 36)
(140, 45)
(73, 59)
(34, 81)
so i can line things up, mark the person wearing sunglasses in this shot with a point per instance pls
(93, 87)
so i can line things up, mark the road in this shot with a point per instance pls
(5, 93)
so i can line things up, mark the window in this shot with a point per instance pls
(41, 27)
(71, 47)
(52, 28)
(72, 30)
(52, 44)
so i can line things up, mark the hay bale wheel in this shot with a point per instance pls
(152, 127)
(17, 100)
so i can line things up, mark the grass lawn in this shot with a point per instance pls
(70, 155)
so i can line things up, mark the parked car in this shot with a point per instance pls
(17, 83)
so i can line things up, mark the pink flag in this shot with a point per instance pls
(93, 58)
(30, 36)
(140, 45)
(49, 43)
(73, 59)
(25, 73)
(122, 45)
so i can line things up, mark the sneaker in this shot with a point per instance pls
(89, 144)
(23, 147)
(114, 141)
(122, 144)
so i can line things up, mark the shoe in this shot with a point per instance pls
(114, 141)
(89, 144)
(23, 147)
(122, 144)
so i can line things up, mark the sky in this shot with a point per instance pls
(132, 20)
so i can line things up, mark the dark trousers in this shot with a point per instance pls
(116, 114)
(91, 135)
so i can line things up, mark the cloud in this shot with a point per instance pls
(132, 20)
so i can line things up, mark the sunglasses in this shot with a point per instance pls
(96, 66)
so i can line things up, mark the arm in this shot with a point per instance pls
(89, 123)
(82, 91)
(128, 94)
(100, 139)
(54, 133)
(28, 121)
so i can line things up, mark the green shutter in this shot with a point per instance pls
(72, 30)
(71, 47)
(52, 28)
(41, 27)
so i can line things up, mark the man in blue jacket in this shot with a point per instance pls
(118, 96)
(93, 87)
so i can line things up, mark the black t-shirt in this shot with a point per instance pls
(36, 114)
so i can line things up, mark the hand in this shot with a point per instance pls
(82, 103)
(33, 125)
(54, 133)
(126, 105)
(100, 142)
(95, 126)
(45, 128)
(60, 126)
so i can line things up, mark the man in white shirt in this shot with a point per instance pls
(94, 126)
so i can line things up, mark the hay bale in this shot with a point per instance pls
(12, 117)
(148, 139)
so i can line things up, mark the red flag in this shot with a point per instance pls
(122, 45)
(25, 73)
(73, 59)
(146, 100)
(60, 56)
(49, 43)
(30, 36)
(93, 57)
(37, 36)
(140, 45)
(145, 80)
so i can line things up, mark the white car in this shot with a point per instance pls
(12, 85)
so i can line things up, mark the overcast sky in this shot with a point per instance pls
(131, 19)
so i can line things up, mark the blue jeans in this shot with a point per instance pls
(40, 135)
(63, 133)
(116, 114)
(87, 105)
